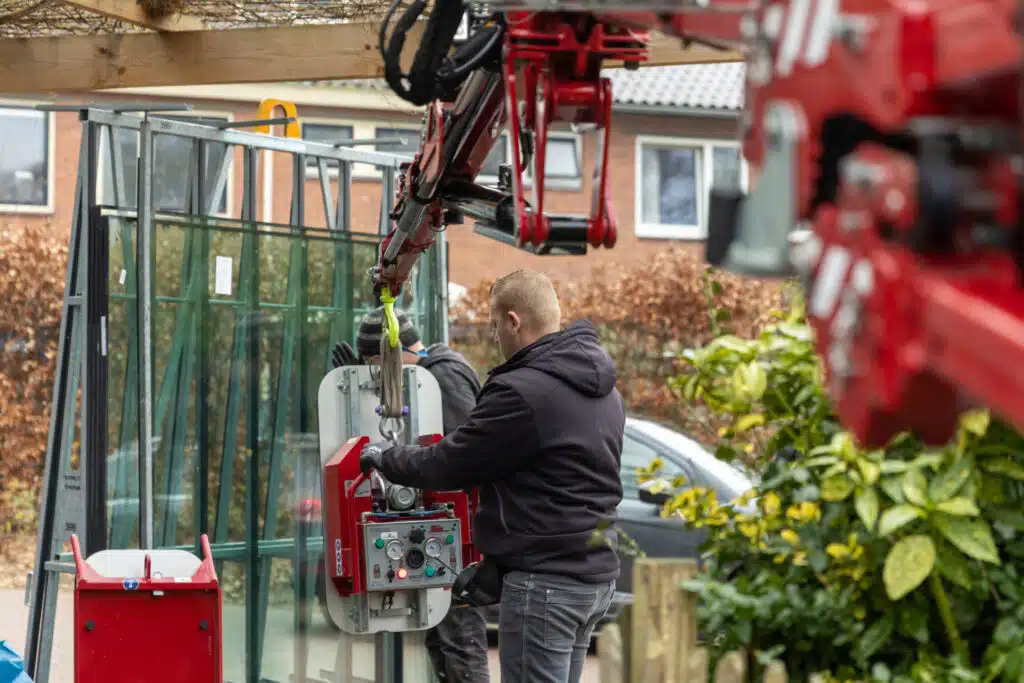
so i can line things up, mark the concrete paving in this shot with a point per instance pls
(326, 652)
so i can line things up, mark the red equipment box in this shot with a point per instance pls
(147, 615)
(345, 514)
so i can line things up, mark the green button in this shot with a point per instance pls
(379, 543)
(450, 539)
(429, 571)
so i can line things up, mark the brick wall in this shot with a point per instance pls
(472, 257)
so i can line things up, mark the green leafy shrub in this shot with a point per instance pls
(900, 564)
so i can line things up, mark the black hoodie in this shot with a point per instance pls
(543, 444)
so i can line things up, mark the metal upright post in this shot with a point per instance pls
(144, 302)
(58, 449)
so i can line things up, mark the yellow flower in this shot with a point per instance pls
(749, 529)
(772, 504)
(779, 559)
(859, 612)
(837, 550)
(792, 537)
(800, 559)
(804, 512)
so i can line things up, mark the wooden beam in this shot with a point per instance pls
(130, 12)
(68, 64)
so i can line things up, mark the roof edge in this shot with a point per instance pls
(673, 110)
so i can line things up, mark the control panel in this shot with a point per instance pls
(411, 554)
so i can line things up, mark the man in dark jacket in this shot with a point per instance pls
(458, 645)
(543, 444)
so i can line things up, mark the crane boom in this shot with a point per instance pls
(886, 135)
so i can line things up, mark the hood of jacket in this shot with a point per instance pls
(573, 356)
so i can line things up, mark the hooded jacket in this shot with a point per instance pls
(543, 444)
(458, 382)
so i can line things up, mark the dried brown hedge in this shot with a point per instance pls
(32, 272)
(646, 314)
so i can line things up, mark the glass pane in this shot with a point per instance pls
(410, 135)
(24, 157)
(497, 157)
(669, 181)
(171, 160)
(726, 167)
(211, 408)
(325, 132)
(561, 161)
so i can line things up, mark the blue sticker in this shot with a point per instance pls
(130, 584)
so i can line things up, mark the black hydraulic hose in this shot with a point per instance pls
(491, 41)
(433, 73)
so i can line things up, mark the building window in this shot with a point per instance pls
(673, 179)
(411, 136)
(171, 166)
(25, 168)
(562, 161)
(561, 166)
(328, 133)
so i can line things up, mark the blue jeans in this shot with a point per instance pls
(546, 624)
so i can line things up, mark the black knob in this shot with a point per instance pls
(391, 575)
(417, 536)
(204, 624)
(90, 625)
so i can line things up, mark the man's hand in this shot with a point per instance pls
(371, 458)
(344, 354)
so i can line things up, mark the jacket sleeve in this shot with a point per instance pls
(498, 438)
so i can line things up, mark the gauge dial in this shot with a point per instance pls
(394, 550)
(433, 547)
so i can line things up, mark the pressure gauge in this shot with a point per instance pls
(433, 547)
(394, 550)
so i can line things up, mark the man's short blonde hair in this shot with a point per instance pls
(530, 295)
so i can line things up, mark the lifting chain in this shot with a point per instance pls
(391, 408)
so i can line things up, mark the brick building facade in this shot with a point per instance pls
(675, 128)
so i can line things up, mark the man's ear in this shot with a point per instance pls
(514, 321)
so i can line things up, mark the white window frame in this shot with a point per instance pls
(48, 208)
(705, 171)
(229, 188)
(551, 183)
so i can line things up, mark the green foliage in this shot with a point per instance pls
(899, 564)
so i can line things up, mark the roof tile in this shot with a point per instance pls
(696, 86)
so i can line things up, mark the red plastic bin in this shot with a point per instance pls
(147, 615)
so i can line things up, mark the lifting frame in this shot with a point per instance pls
(144, 506)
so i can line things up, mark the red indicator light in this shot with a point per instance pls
(402, 573)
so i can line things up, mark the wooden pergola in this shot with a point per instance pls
(68, 46)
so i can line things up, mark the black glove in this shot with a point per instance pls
(344, 354)
(371, 458)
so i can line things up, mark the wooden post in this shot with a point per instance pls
(664, 621)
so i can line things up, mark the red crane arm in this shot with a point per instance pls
(886, 138)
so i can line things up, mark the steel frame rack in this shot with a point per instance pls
(79, 494)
